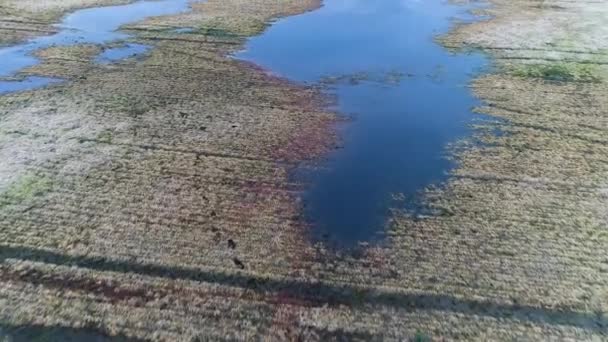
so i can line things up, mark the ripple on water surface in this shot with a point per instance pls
(408, 97)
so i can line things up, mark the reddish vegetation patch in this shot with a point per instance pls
(309, 142)
(114, 291)
(109, 289)
(285, 323)
(309, 133)
(317, 135)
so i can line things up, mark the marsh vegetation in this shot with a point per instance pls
(128, 191)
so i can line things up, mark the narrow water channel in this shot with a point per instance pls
(92, 25)
(407, 96)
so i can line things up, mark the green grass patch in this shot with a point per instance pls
(105, 137)
(133, 106)
(232, 28)
(27, 187)
(421, 337)
(565, 72)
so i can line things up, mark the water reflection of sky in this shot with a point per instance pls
(396, 144)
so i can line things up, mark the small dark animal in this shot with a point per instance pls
(231, 244)
(238, 263)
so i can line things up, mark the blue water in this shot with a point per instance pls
(184, 30)
(25, 84)
(396, 142)
(92, 25)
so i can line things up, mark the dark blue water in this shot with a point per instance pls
(92, 25)
(413, 102)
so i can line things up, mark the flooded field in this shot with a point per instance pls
(407, 96)
(86, 26)
(164, 186)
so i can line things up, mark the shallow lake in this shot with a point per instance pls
(408, 98)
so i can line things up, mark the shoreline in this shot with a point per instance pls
(18, 27)
(101, 185)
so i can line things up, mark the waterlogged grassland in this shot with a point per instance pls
(23, 19)
(150, 200)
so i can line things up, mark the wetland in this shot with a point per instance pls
(166, 185)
